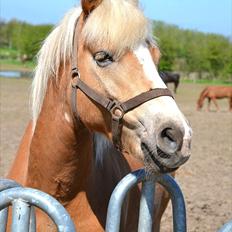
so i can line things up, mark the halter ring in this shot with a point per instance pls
(116, 110)
(75, 77)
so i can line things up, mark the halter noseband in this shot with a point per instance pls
(115, 108)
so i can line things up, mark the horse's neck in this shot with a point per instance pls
(62, 163)
(202, 96)
(60, 157)
(61, 160)
(109, 167)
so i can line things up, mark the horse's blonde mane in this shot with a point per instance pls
(118, 24)
(56, 49)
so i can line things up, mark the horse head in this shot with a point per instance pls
(115, 78)
(115, 58)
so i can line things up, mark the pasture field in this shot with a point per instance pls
(206, 179)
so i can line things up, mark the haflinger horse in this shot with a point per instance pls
(100, 110)
(169, 77)
(213, 93)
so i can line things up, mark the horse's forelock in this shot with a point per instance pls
(118, 25)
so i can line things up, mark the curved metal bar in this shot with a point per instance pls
(3, 219)
(5, 184)
(146, 209)
(117, 197)
(178, 204)
(41, 200)
(227, 227)
(32, 226)
(20, 216)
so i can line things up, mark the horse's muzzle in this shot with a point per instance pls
(172, 148)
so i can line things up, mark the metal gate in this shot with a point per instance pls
(146, 201)
(24, 199)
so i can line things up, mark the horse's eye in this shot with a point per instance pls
(103, 58)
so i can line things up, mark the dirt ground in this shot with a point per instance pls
(206, 179)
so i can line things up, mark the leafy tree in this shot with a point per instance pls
(185, 51)
(191, 51)
(23, 37)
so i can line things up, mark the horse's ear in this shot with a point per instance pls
(89, 5)
(155, 53)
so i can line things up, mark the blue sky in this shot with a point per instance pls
(213, 16)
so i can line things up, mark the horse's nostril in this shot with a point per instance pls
(169, 134)
(170, 139)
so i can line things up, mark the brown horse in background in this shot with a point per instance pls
(92, 65)
(213, 93)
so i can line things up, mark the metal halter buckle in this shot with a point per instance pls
(75, 77)
(75, 72)
(116, 110)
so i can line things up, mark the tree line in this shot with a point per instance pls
(207, 55)
(188, 51)
(21, 40)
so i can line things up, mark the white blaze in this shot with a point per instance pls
(144, 56)
(167, 104)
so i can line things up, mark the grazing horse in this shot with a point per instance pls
(99, 111)
(213, 93)
(169, 77)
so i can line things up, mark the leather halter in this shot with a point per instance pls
(114, 107)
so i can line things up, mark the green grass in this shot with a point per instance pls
(10, 64)
(208, 82)
(6, 52)
(9, 60)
